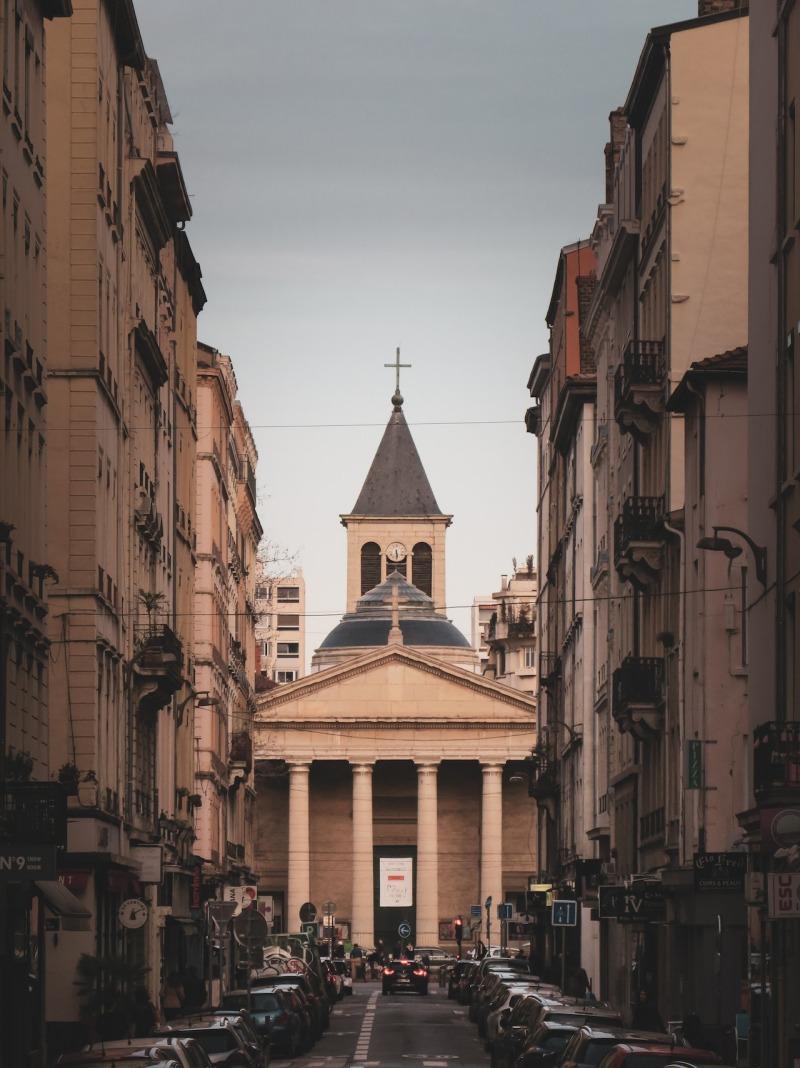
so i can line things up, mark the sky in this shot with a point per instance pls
(372, 173)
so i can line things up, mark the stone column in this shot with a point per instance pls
(299, 845)
(492, 842)
(427, 855)
(363, 881)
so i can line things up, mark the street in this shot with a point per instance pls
(401, 1031)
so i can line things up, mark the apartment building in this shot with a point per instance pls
(25, 568)
(563, 386)
(228, 533)
(772, 522)
(125, 292)
(510, 630)
(665, 667)
(281, 626)
(483, 607)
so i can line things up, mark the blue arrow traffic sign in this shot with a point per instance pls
(404, 930)
(564, 914)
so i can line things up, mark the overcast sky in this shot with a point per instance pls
(373, 173)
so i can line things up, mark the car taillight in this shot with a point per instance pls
(388, 971)
(420, 971)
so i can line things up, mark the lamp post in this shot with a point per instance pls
(716, 544)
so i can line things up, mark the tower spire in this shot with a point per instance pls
(397, 397)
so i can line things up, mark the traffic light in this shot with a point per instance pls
(458, 924)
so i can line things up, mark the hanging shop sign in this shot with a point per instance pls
(719, 872)
(23, 863)
(641, 902)
(780, 828)
(783, 895)
(396, 882)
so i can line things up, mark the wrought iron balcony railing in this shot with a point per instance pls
(543, 779)
(776, 760)
(638, 695)
(639, 540)
(639, 388)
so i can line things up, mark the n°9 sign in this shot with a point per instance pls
(19, 863)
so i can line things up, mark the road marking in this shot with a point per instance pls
(434, 1064)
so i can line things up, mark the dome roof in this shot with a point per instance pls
(371, 622)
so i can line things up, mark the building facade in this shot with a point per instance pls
(228, 535)
(125, 293)
(281, 626)
(510, 631)
(665, 317)
(389, 778)
(25, 568)
(773, 517)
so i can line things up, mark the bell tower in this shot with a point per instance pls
(396, 524)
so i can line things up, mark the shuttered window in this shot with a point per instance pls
(370, 566)
(422, 568)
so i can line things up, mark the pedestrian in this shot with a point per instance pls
(646, 1016)
(357, 962)
(194, 989)
(480, 950)
(172, 996)
(145, 1015)
(577, 984)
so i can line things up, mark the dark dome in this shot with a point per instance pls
(371, 622)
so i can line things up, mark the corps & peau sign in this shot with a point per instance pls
(719, 872)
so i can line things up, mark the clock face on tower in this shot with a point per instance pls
(396, 552)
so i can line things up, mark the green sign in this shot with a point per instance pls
(694, 764)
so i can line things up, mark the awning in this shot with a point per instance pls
(65, 904)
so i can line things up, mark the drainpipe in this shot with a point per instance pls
(681, 536)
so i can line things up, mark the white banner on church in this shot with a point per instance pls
(397, 882)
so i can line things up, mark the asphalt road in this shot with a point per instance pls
(400, 1031)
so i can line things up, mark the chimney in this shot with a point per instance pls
(716, 7)
(617, 125)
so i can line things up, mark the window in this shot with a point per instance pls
(286, 622)
(285, 676)
(266, 649)
(529, 656)
(370, 566)
(288, 594)
(422, 567)
(288, 649)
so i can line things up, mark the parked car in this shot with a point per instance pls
(509, 996)
(404, 974)
(241, 1020)
(462, 974)
(334, 982)
(630, 1055)
(495, 994)
(312, 992)
(515, 1025)
(156, 1049)
(545, 1044)
(225, 1044)
(343, 971)
(273, 1017)
(590, 1044)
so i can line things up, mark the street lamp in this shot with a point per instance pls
(573, 734)
(716, 544)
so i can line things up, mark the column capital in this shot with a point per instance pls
(299, 767)
(362, 767)
(493, 767)
(425, 767)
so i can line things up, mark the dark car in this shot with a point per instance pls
(545, 1044)
(589, 1045)
(342, 969)
(312, 992)
(455, 973)
(224, 1044)
(240, 1020)
(404, 974)
(273, 1017)
(516, 1029)
(139, 1052)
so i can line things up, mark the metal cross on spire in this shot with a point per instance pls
(397, 399)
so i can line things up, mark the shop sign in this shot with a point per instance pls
(784, 895)
(150, 858)
(719, 872)
(25, 863)
(643, 902)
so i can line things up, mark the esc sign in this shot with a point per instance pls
(784, 895)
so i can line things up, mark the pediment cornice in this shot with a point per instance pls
(362, 665)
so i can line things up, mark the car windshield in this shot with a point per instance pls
(556, 1040)
(214, 1039)
(264, 1003)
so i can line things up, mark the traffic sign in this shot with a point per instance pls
(308, 912)
(476, 911)
(404, 930)
(504, 911)
(564, 914)
(250, 929)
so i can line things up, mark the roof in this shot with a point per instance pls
(370, 624)
(731, 365)
(396, 484)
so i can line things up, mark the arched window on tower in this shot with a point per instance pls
(370, 566)
(422, 567)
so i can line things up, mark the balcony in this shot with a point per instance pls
(157, 667)
(639, 541)
(776, 761)
(638, 695)
(639, 395)
(543, 777)
(241, 752)
(533, 419)
(549, 670)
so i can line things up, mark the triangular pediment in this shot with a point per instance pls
(395, 684)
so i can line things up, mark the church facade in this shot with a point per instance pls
(390, 779)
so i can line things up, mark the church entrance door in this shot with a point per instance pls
(395, 886)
